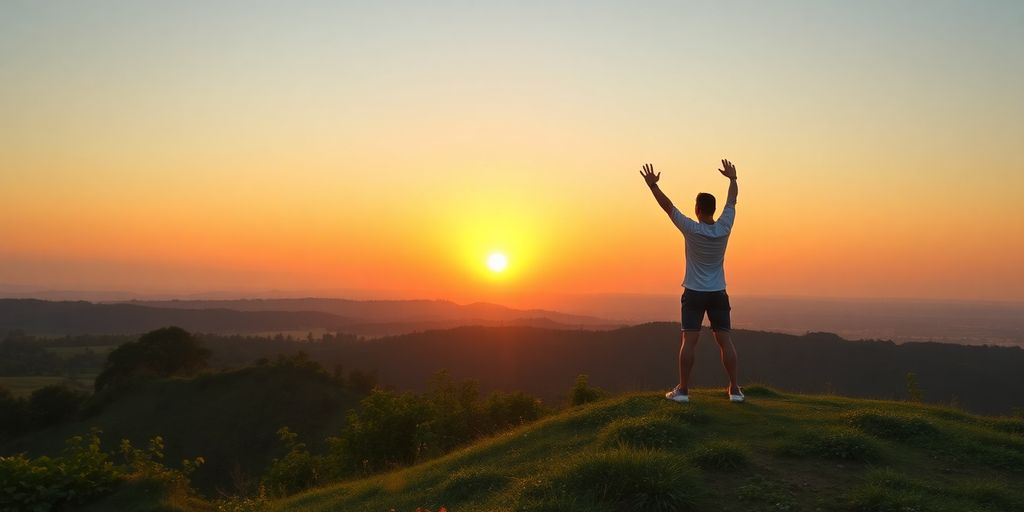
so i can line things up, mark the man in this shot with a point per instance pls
(704, 283)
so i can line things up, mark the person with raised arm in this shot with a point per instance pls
(704, 282)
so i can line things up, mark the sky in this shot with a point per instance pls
(390, 148)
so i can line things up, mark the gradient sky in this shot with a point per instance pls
(197, 146)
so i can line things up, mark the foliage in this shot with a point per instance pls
(53, 404)
(147, 463)
(913, 389)
(161, 353)
(257, 503)
(391, 429)
(22, 355)
(13, 415)
(583, 392)
(362, 382)
(296, 471)
(384, 432)
(82, 473)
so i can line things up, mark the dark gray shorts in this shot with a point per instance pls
(695, 304)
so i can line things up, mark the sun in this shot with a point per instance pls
(497, 262)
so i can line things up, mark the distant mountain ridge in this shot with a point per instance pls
(367, 318)
(382, 310)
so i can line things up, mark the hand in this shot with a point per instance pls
(729, 171)
(649, 176)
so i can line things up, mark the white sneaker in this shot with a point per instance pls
(677, 396)
(736, 398)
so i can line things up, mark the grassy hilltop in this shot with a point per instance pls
(775, 452)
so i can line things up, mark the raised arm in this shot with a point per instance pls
(652, 181)
(729, 171)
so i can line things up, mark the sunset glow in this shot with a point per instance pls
(185, 147)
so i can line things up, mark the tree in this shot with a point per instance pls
(161, 353)
(12, 414)
(583, 392)
(53, 404)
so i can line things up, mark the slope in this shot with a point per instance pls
(775, 452)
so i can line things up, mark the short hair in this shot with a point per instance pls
(706, 203)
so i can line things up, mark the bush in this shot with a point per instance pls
(147, 464)
(382, 433)
(82, 473)
(583, 393)
(13, 414)
(505, 410)
(296, 471)
(53, 404)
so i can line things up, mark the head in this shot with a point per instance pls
(705, 204)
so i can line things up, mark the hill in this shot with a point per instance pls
(384, 311)
(367, 318)
(229, 418)
(775, 452)
(540, 361)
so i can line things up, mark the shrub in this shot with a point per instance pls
(13, 414)
(53, 404)
(296, 471)
(82, 473)
(504, 410)
(147, 464)
(583, 393)
(383, 432)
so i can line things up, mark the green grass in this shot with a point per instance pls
(777, 452)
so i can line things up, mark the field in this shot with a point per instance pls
(24, 386)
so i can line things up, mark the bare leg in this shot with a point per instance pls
(687, 352)
(728, 359)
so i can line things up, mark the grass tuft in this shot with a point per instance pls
(468, 484)
(630, 480)
(890, 425)
(646, 432)
(762, 391)
(835, 443)
(761, 494)
(721, 456)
